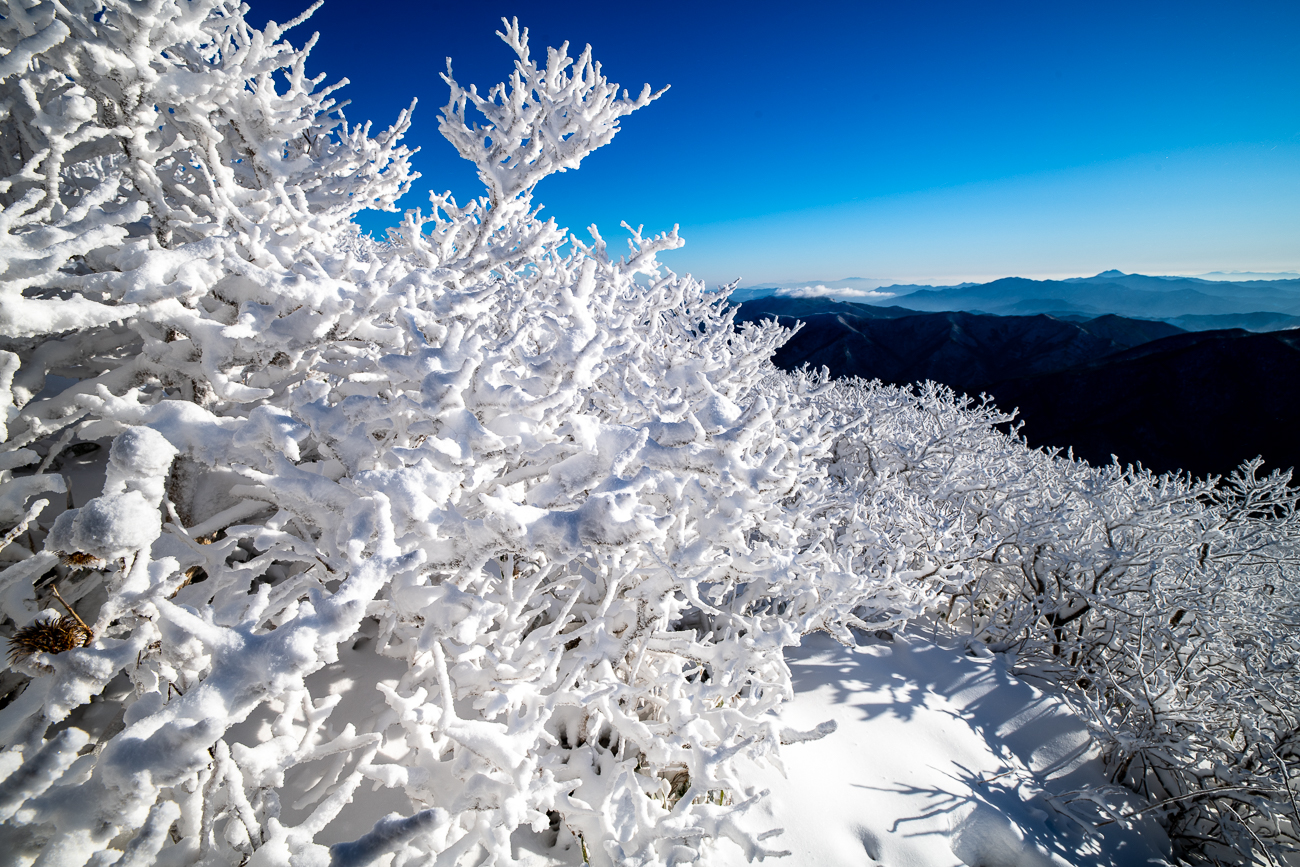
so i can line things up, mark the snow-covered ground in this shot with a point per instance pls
(938, 758)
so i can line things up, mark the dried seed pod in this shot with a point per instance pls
(79, 559)
(50, 634)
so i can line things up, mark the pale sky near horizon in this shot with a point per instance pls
(923, 142)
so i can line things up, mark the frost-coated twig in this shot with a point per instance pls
(23, 523)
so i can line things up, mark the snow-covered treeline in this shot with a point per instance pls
(486, 523)
(1166, 609)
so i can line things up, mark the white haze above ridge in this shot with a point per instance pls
(875, 290)
(1231, 276)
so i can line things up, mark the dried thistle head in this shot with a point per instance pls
(49, 635)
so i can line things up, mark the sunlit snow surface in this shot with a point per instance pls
(938, 758)
(908, 777)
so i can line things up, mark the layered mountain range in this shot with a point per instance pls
(1142, 390)
(1191, 303)
(1113, 292)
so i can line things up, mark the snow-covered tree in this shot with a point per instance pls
(483, 517)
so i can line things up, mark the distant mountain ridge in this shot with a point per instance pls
(1145, 297)
(1184, 301)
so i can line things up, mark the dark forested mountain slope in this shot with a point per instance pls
(789, 310)
(967, 351)
(1197, 402)
(1129, 332)
(1142, 390)
(1247, 321)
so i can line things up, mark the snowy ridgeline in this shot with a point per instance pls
(486, 544)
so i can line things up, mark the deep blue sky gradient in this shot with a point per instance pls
(903, 141)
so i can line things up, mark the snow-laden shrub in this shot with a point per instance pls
(482, 544)
(482, 525)
(1167, 609)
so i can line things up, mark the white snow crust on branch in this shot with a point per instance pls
(568, 510)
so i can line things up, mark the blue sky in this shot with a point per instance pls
(910, 142)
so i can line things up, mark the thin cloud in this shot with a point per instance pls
(820, 291)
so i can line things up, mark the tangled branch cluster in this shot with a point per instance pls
(1166, 609)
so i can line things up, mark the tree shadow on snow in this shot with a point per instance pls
(1019, 815)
